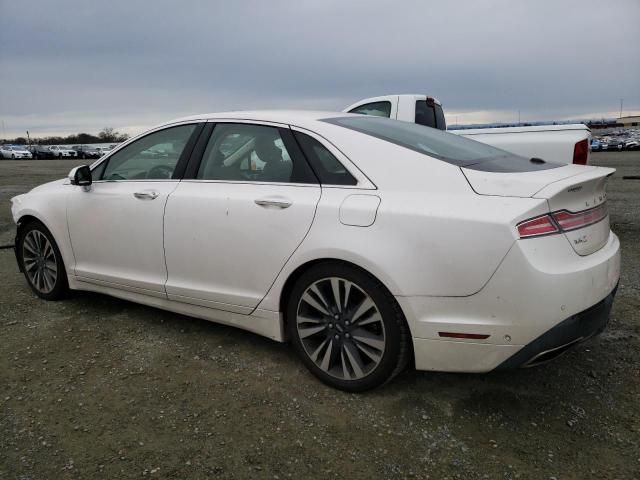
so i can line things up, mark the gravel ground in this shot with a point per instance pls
(94, 387)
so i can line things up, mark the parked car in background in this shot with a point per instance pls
(86, 151)
(14, 151)
(554, 143)
(632, 144)
(616, 144)
(60, 152)
(595, 145)
(5, 151)
(368, 243)
(103, 150)
(41, 152)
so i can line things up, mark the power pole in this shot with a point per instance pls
(621, 100)
(28, 138)
(518, 117)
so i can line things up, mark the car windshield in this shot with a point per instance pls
(448, 147)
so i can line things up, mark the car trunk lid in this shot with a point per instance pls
(576, 196)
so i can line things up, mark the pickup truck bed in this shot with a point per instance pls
(554, 143)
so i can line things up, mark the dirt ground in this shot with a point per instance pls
(94, 387)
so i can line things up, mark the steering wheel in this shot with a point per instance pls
(115, 176)
(160, 172)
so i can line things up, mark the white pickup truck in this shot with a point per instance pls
(553, 143)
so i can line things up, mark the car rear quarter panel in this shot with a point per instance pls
(421, 243)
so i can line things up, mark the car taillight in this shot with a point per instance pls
(570, 221)
(535, 227)
(581, 152)
(561, 221)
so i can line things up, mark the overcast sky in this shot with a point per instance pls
(78, 65)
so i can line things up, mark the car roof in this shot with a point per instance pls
(290, 117)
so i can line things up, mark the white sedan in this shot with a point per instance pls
(368, 243)
(14, 152)
(60, 152)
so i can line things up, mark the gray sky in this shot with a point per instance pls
(76, 65)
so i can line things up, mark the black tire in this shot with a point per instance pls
(59, 287)
(397, 350)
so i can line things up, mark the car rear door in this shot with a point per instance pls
(116, 224)
(237, 216)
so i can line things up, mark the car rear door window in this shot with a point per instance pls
(254, 153)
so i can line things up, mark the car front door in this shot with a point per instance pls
(116, 224)
(230, 228)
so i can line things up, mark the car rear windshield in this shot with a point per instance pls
(430, 114)
(444, 146)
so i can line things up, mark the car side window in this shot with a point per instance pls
(325, 165)
(153, 157)
(376, 109)
(246, 152)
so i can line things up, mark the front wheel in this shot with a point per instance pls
(347, 328)
(41, 262)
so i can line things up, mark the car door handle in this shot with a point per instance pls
(272, 202)
(146, 195)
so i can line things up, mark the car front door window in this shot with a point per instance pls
(153, 157)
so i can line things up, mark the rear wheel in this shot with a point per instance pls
(41, 262)
(347, 328)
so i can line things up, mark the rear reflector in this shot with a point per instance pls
(581, 152)
(537, 226)
(474, 336)
(561, 221)
(571, 221)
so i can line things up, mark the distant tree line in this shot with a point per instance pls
(106, 135)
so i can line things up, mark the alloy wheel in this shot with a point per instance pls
(39, 260)
(341, 328)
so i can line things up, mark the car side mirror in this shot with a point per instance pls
(81, 176)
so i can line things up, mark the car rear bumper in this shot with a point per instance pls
(541, 290)
(563, 336)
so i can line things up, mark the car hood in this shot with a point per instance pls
(49, 186)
